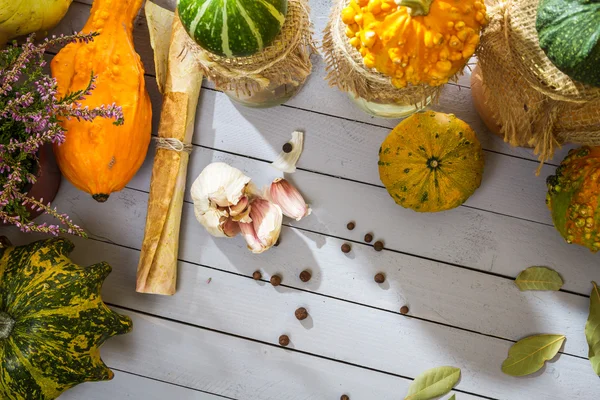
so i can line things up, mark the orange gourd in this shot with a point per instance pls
(99, 157)
(415, 41)
(431, 162)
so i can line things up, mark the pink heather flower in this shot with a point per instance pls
(33, 112)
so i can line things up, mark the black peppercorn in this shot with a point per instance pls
(344, 397)
(404, 310)
(256, 275)
(287, 148)
(379, 278)
(301, 314)
(284, 340)
(346, 248)
(351, 225)
(275, 280)
(378, 245)
(368, 238)
(305, 276)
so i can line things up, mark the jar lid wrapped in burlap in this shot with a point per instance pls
(532, 62)
(532, 112)
(285, 61)
(347, 71)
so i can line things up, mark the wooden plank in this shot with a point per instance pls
(241, 369)
(337, 330)
(468, 237)
(434, 291)
(350, 150)
(128, 386)
(317, 96)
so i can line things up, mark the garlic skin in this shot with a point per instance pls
(216, 192)
(286, 162)
(286, 196)
(262, 233)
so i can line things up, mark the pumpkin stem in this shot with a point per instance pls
(6, 325)
(417, 7)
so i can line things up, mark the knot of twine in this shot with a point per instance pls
(173, 144)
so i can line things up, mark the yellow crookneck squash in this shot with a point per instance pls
(415, 41)
(431, 162)
(99, 157)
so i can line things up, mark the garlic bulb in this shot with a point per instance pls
(220, 201)
(286, 196)
(286, 161)
(262, 233)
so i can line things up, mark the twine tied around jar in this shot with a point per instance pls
(173, 144)
(535, 104)
(285, 61)
(347, 71)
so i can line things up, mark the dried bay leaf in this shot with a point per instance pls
(529, 355)
(433, 383)
(539, 278)
(592, 329)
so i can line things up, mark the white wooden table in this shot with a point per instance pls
(218, 336)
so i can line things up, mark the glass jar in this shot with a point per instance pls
(388, 110)
(271, 96)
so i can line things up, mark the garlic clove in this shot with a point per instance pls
(240, 207)
(231, 228)
(286, 162)
(262, 233)
(286, 196)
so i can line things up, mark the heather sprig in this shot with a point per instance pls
(31, 111)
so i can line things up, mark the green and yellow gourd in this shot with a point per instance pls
(431, 162)
(52, 321)
(569, 34)
(233, 28)
(573, 197)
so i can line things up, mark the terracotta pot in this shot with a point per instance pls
(48, 179)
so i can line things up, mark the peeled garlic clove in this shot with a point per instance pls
(218, 188)
(262, 233)
(286, 196)
(286, 162)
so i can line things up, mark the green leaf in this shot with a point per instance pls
(539, 278)
(453, 397)
(592, 329)
(529, 355)
(433, 383)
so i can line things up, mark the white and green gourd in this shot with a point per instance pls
(233, 28)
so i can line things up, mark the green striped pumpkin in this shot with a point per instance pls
(52, 321)
(233, 28)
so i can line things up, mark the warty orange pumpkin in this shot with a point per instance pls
(573, 197)
(431, 162)
(415, 41)
(99, 157)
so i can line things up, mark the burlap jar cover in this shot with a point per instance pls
(347, 71)
(536, 104)
(285, 61)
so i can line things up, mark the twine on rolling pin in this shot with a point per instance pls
(173, 144)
